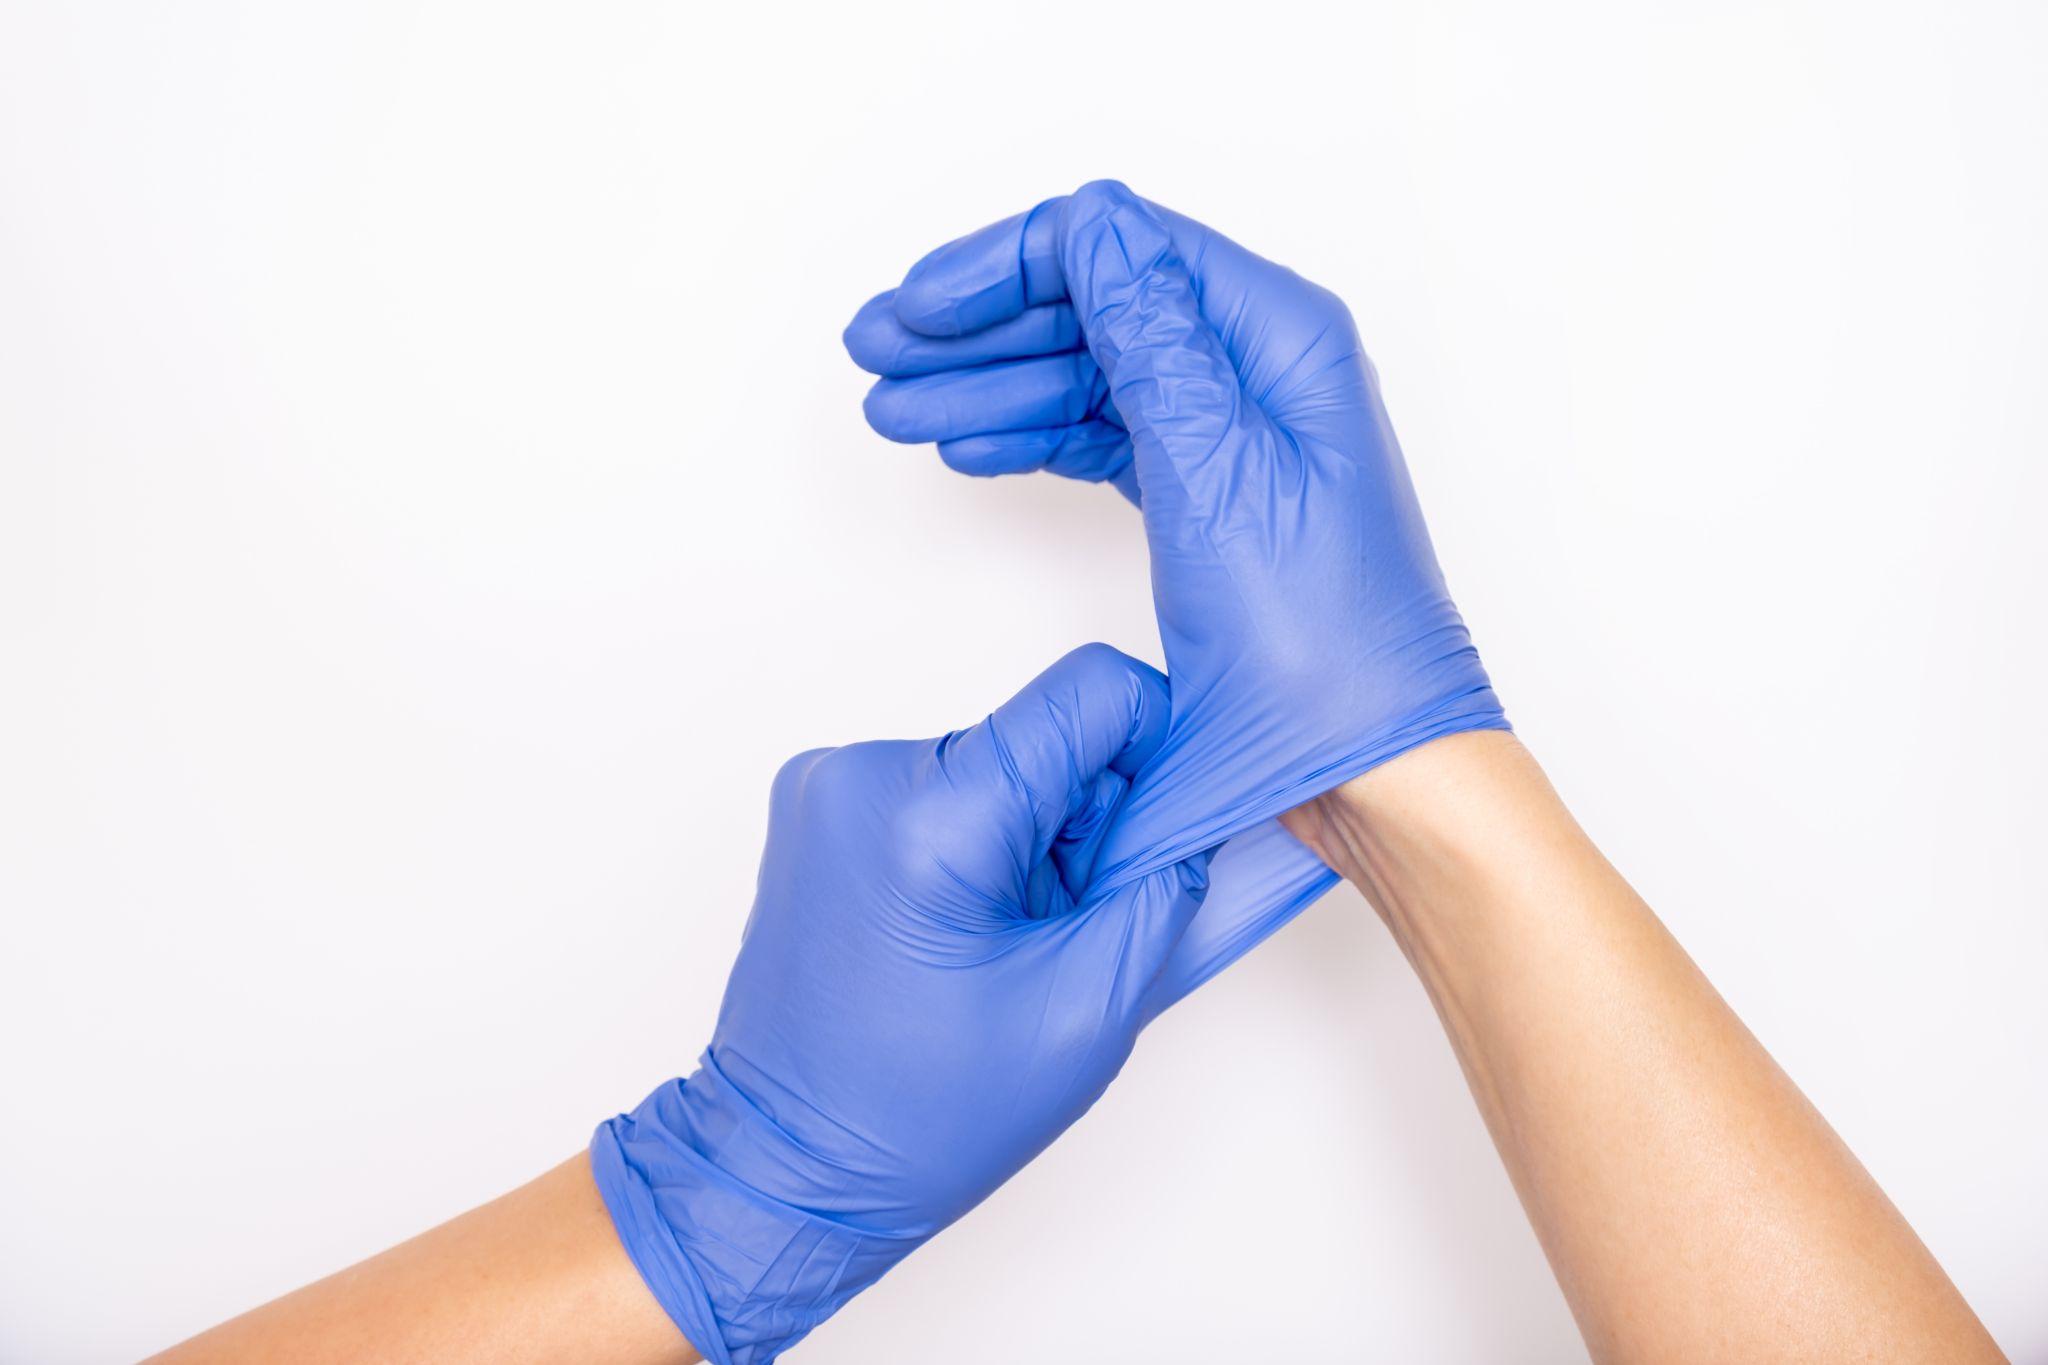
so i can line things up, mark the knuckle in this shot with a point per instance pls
(1103, 194)
(794, 777)
(1096, 665)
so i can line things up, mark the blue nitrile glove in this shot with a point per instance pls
(924, 999)
(1307, 629)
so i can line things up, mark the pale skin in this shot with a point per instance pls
(1693, 1204)
(533, 1277)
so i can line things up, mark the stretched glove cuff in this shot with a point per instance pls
(744, 1276)
(1154, 832)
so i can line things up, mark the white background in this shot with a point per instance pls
(433, 499)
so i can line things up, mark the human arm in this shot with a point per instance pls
(535, 1276)
(1692, 1203)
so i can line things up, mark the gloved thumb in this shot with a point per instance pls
(1192, 425)
(1068, 743)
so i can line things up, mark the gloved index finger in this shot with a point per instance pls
(986, 277)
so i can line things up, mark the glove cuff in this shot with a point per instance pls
(744, 1276)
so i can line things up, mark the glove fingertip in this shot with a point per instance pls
(993, 455)
(872, 339)
(892, 410)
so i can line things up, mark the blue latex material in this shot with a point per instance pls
(927, 994)
(955, 942)
(1307, 630)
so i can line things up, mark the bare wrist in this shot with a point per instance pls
(1444, 801)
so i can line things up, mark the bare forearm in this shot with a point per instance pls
(1691, 1201)
(535, 1276)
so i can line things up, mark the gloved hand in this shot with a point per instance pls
(924, 999)
(1308, 632)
